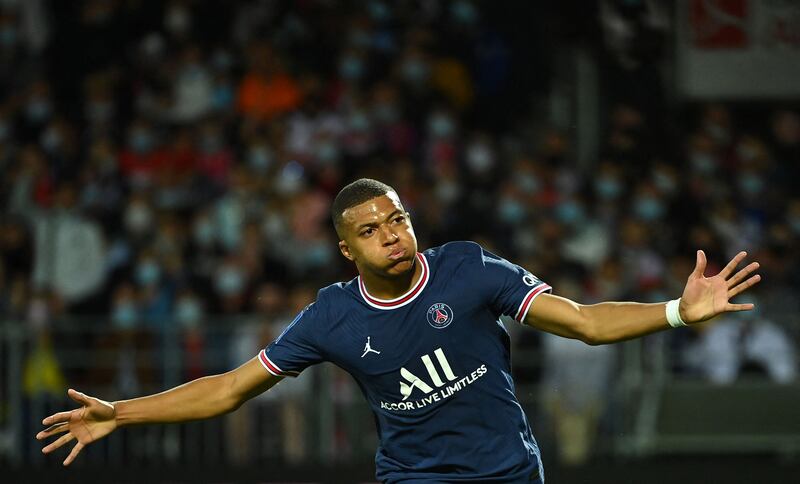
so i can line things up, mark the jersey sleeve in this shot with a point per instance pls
(510, 289)
(296, 348)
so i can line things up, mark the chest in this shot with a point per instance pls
(447, 330)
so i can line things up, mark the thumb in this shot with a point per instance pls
(78, 397)
(700, 266)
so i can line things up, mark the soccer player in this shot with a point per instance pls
(419, 332)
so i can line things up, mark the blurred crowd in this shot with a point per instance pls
(168, 163)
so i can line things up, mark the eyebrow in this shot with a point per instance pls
(375, 224)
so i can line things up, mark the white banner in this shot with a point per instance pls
(738, 48)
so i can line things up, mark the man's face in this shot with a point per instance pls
(378, 236)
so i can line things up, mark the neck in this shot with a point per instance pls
(383, 287)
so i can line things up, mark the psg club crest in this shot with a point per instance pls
(440, 315)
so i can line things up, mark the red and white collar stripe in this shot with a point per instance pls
(405, 298)
(528, 300)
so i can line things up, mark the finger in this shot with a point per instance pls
(743, 286)
(728, 269)
(73, 454)
(78, 397)
(700, 266)
(57, 417)
(52, 430)
(742, 274)
(740, 307)
(58, 443)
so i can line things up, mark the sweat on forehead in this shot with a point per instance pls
(382, 205)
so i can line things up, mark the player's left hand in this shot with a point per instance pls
(706, 297)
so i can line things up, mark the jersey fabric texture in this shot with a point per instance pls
(434, 365)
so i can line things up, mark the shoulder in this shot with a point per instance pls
(460, 249)
(315, 317)
(459, 258)
(336, 297)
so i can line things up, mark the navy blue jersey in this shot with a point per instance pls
(434, 365)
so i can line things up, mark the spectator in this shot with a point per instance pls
(266, 89)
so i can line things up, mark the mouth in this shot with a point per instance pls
(397, 254)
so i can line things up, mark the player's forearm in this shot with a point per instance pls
(618, 321)
(198, 399)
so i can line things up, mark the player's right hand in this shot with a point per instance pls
(94, 420)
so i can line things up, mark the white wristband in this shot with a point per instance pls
(673, 313)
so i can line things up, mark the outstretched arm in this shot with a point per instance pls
(609, 322)
(202, 398)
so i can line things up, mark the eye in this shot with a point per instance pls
(367, 232)
(400, 219)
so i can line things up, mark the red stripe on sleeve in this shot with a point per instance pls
(523, 310)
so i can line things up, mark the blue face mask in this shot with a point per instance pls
(415, 71)
(8, 36)
(327, 152)
(751, 184)
(379, 11)
(230, 281)
(703, 162)
(141, 141)
(211, 144)
(100, 111)
(318, 255)
(359, 122)
(188, 313)
(648, 208)
(124, 316)
(664, 182)
(385, 113)
(360, 38)
(464, 12)
(528, 183)
(511, 211)
(38, 110)
(222, 97)
(147, 273)
(351, 68)
(51, 140)
(608, 188)
(204, 233)
(442, 126)
(794, 224)
(569, 213)
(291, 178)
(260, 158)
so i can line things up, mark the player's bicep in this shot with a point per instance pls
(559, 316)
(248, 381)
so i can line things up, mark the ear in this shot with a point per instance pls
(345, 250)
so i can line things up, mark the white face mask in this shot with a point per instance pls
(188, 312)
(177, 20)
(229, 281)
(51, 140)
(138, 218)
(480, 158)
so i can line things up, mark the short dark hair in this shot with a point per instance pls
(353, 194)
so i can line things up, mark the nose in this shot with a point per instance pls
(389, 236)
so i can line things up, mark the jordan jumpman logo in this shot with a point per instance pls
(368, 348)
